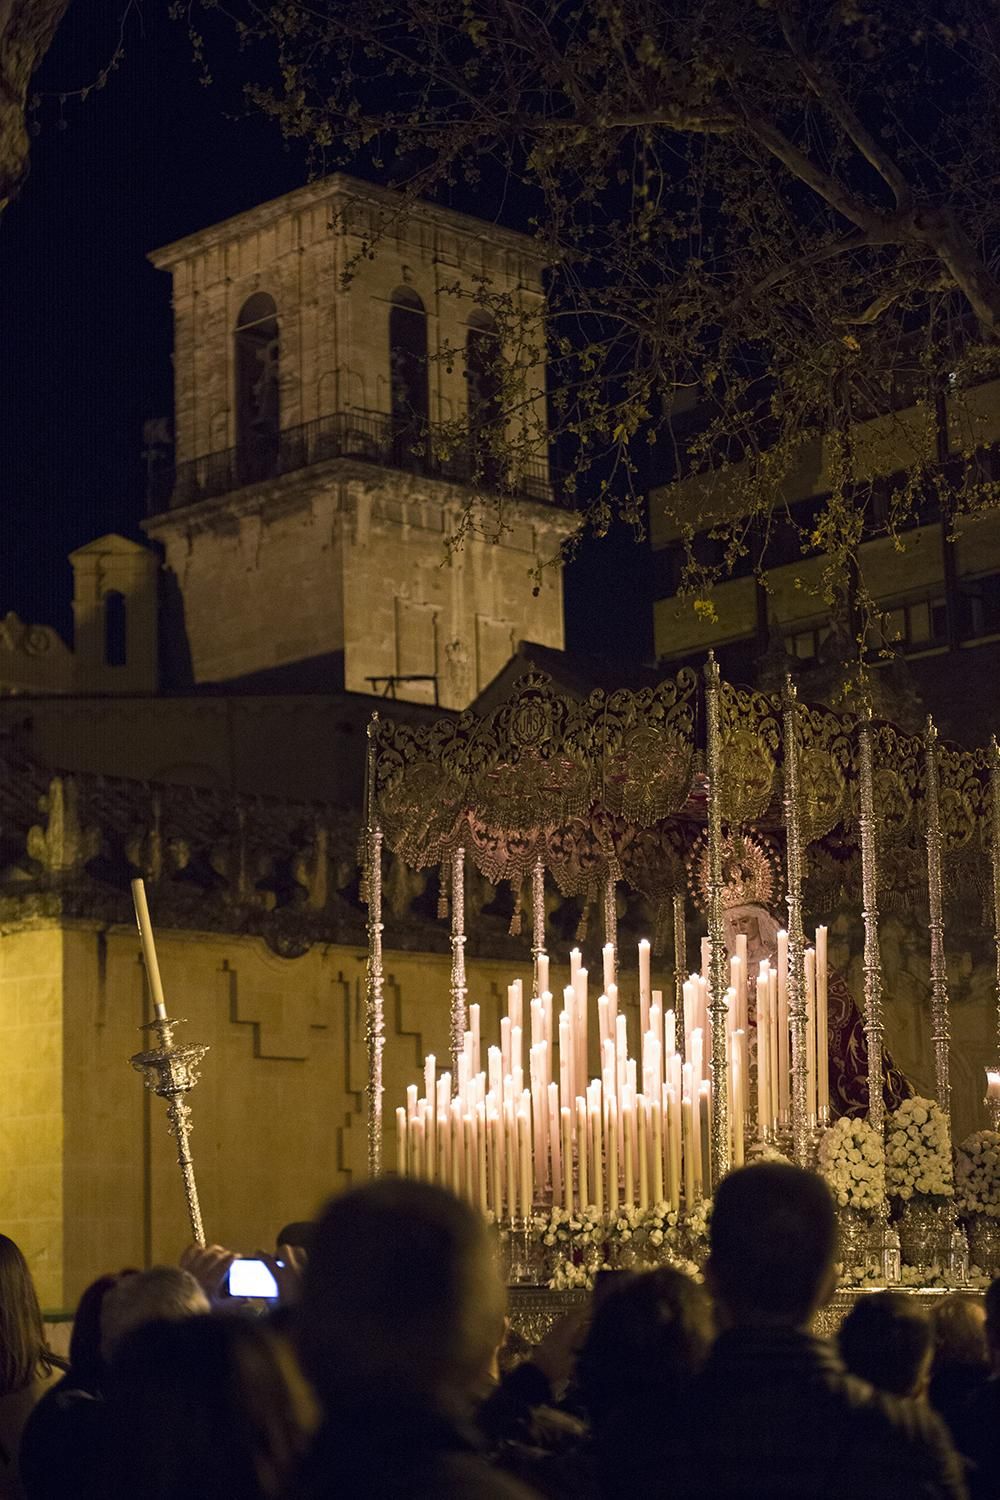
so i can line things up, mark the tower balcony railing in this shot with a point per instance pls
(372, 437)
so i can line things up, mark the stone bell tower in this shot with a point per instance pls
(306, 516)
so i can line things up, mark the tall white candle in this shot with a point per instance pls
(810, 977)
(457, 1131)
(705, 1121)
(510, 1156)
(580, 1027)
(763, 1061)
(542, 970)
(417, 1168)
(743, 987)
(603, 1019)
(822, 1023)
(149, 949)
(496, 1162)
(565, 1116)
(672, 1118)
(688, 1133)
(608, 964)
(613, 1155)
(630, 1148)
(481, 1158)
(474, 1027)
(597, 1148)
(401, 1142)
(656, 1155)
(644, 1126)
(566, 1094)
(582, 1152)
(645, 983)
(738, 1107)
(524, 1156)
(784, 1065)
(555, 1143)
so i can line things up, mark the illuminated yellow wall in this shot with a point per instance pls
(88, 1180)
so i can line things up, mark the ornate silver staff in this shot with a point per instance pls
(611, 920)
(993, 1074)
(680, 967)
(169, 1071)
(459, 989)
(796, 991)
(874, 1025)
(718, 1006)
(538, 926)
(940, 1024)
(374, 1006)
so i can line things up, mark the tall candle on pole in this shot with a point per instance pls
(169, 1071)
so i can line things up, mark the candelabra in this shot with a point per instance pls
(720, 1145)
(993, 1074)
(171, 1072)
(459, 989)
(874, 1026)
(797, 1014)
(374, 981)
(680, 963)
(940, 1027)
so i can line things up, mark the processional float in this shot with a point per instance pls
(610, 795)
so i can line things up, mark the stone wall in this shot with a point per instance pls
(89, 1180)
(349, 561)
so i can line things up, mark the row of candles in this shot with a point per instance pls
(526, 1128)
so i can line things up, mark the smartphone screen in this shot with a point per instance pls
(251, 1278)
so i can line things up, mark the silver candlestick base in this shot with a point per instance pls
(171, 1072)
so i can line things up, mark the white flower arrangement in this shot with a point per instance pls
(977, 1174)
(584, 1242)
(918, 1151)
(852, 1160)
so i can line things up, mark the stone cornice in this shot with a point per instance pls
(300, 487)
(343, 189)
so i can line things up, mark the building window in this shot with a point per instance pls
(408, 385)
(916, 626)
(806, 645)
(114, 630)
(980, 606)
(482, 373)
(258, 415)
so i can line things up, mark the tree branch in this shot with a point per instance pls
(828, 92)
(27, 28)
(800, 263)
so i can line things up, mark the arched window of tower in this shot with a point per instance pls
(115, 644)
(408, 376)
(258, 411)
(482, 373)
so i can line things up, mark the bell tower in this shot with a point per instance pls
(335, 371)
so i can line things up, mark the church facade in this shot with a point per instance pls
(206, 728)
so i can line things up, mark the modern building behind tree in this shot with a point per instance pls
(922, 599)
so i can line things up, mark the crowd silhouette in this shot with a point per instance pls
(386, 1369)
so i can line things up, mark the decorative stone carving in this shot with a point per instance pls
(64, 845)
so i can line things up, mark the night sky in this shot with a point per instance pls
(152, 156)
